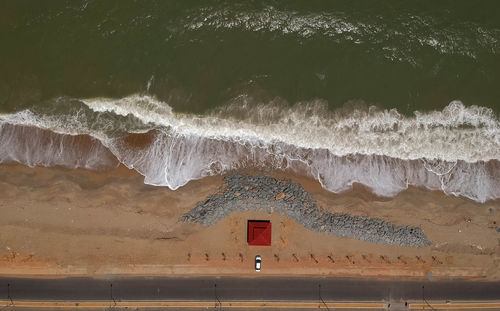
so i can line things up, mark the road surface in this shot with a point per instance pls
(243, 289)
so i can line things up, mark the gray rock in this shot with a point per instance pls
(302, 209)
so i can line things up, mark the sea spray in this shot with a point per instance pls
(456, 150)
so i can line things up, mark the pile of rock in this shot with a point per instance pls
(249, 193)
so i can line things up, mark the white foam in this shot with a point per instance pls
(379, 148)
(456, 150)
(32, 146)
(397, 40)
(456, 133)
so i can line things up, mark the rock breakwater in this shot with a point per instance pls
(244, 193)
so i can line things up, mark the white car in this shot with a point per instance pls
(258, 260)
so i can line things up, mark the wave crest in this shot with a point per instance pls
(455, 150)
(456, 133)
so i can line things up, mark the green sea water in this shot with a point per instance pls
(196, 55)
(388, 94)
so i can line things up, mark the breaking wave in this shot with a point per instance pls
(395, 40)
(456, 150)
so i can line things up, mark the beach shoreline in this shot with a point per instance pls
(61, 222)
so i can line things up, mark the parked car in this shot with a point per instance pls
(258, 260)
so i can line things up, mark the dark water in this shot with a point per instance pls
(410, 55)
(385, 93)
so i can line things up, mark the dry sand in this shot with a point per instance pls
(76, 222)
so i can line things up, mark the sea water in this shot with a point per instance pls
(383, 93)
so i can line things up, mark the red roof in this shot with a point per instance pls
(259, 232)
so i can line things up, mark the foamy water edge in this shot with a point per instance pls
(456, 150)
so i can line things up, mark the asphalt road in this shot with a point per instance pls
(230, 288)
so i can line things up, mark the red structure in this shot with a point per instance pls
(259, 232)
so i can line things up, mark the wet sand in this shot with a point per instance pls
(58, 222)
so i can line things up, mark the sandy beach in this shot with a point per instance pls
(56, 222)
